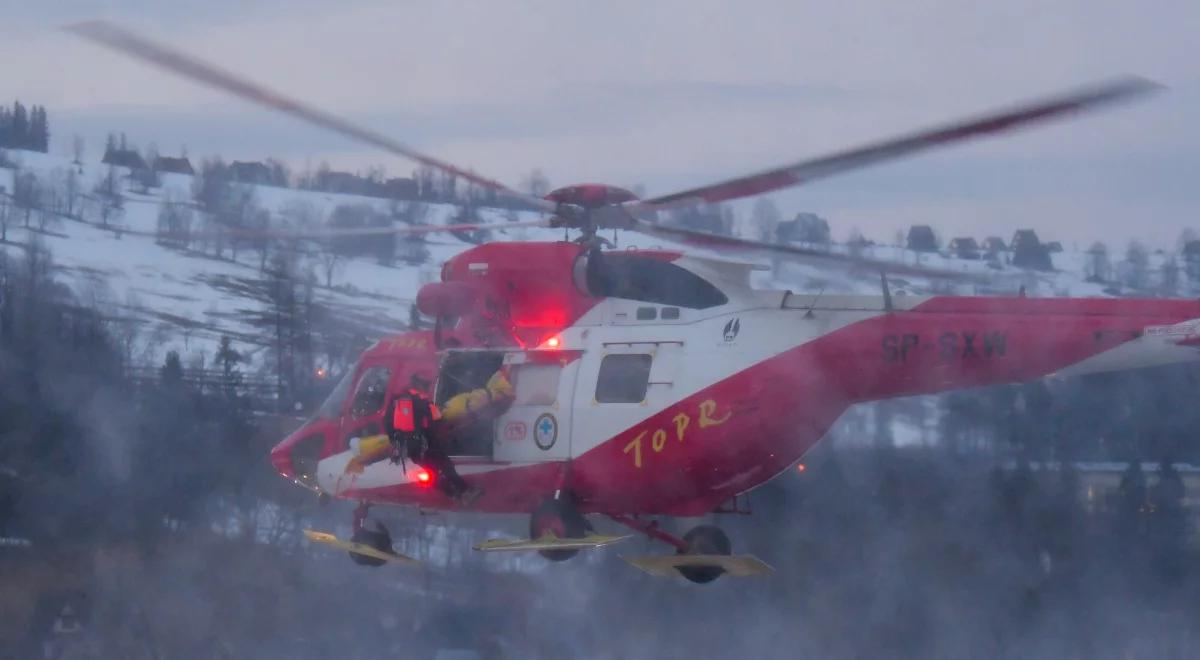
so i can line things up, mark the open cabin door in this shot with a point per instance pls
(537, 426)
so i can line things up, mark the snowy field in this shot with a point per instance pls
(185, 300)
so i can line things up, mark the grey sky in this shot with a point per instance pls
(673, 94)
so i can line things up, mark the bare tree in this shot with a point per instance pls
(72, 189)
(299, 213)
(174, 223)
(856, 242)
(330, 263)
(410, 213)
(77, 145)
(259, 221)
(147, 177)
(536, 183)
(6, 214)
(1138, 260)
(108, 192)
(27, 193)
(765, 219)
(1097, 267)
(211, 187)
(47, 213)
(1170, 276)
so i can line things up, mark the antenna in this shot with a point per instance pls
(809, 313)
(887, 293)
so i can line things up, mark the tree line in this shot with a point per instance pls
(24, 128)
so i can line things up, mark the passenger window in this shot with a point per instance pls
(623, 378)
(648, 279)
(647, 313)
(371, 392)
(537, 384)
(670, 313)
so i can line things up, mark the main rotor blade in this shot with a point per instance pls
(808, 170)
(319, 233)
(729, 244)
(134, 45)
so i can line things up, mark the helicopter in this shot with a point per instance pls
(659, 382)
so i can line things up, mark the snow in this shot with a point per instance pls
(186, 301)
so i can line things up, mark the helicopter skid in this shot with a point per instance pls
(550, 542)
(358, 548)
(732, 565)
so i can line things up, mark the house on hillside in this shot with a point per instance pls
(994, 246)
(804, 228)
(921, 239)
(400, 188)
(342, 182)
(1028, 251)
(174, 165)
(124, 158)
(964, 247)
(1024, 238)
(250, 172)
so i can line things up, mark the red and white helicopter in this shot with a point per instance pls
(659, 382)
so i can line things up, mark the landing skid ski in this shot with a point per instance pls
(550, 542)
(358, 548)
(669, 565)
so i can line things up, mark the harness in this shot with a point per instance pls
(413, 415)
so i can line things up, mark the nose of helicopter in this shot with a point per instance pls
(297, 455)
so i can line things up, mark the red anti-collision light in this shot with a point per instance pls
(425, 478)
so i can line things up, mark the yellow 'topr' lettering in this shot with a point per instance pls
(658, 440)
(636, 446)
(707, 408)
(681, 424)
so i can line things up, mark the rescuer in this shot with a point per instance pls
(487, 402)
(415, 429)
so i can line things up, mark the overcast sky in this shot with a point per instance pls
(670, 95)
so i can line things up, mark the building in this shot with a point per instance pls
(174, 165)
(993, 246)
(964, 248)
(922, 239)
(124, 158)
(250, 172)
(400, 188)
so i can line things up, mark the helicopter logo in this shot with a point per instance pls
(732, 328)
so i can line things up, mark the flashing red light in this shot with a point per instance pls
(321, 373)
(424, 477)
(552, 342)
(800, 467)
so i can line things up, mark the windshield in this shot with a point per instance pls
(333, 403)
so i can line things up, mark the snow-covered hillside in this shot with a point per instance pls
(185, 300)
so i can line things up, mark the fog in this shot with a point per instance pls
(152, 513)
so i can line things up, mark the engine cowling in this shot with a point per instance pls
(441, 299)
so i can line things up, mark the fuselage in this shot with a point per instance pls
(673, 406)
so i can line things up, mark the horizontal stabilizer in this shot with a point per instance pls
(550, 542)
(667, 565)
(357, 548)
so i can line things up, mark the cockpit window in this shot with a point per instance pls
(648, 279)
(371, 392)
(331, 408)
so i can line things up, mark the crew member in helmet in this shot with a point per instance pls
(417, 431)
